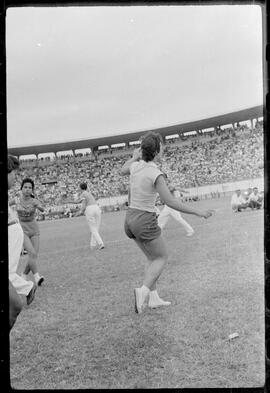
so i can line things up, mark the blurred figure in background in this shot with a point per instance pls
(238, 202)
(255, 199)
(93, 215)
(168, 212)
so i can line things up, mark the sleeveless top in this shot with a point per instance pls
(26, 210)
(88, 197)
(143, 194)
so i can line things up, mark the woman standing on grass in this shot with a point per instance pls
(26, 206)
(146, 182)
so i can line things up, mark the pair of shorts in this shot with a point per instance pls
(141, 225)
(30, 228)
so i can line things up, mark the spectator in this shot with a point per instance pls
(211, 158)
(255, 199)
(238, 202)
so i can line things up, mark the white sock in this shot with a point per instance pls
(153, 294)
(145, 291)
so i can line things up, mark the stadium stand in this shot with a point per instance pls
(218, 157)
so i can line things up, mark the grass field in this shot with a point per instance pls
(81, 331)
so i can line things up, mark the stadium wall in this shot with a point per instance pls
(200, 192)
(227, 187)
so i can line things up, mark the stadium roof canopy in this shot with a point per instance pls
(228, 118)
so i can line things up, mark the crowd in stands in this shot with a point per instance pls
(226, 156)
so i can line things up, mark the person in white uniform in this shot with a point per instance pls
(255, 199)
(93, 216)
(168, 212)
(238, 202)
(17, 284)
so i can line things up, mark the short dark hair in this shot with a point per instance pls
(150, 146)
(28, 180)
(13, 163)
(83, 186)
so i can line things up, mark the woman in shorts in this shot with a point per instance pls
(26, 206)
(141, 224)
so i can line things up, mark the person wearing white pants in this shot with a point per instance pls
(93, 216)
(168, 212)
(15, 243)
(17, 284)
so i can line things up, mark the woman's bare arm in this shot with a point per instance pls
(174, 203)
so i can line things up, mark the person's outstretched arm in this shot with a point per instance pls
(77, 202)
(39, 206)
(82, 209)
(182, 190)
(174, 203)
